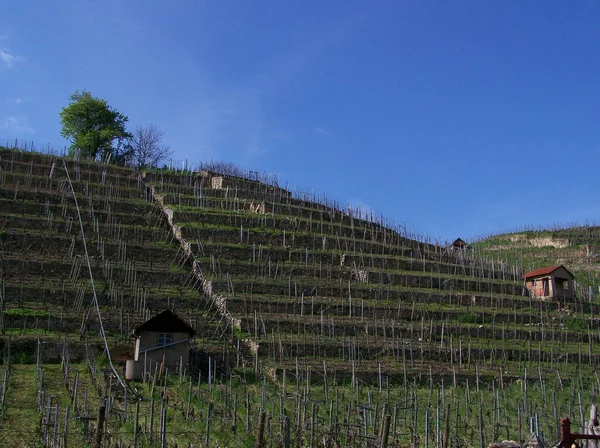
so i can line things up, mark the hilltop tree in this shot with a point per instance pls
(93, 126)
(145, 146)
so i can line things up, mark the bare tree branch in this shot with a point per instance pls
(146, 146)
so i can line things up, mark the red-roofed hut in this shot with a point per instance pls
(554, 282)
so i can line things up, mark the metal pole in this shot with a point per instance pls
(163, 442)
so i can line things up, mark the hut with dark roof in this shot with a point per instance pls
(458, 243)
(554, 282)
(165, 337)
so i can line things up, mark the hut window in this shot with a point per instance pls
(165, 339)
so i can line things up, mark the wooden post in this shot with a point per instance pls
(247, 412)
(189, 402)
(199, 380)
(208, 424)
(125, 405)
(313, 422)
(445, 443)
(66, 434)
(55, 436)
(593, 419)
(45, 420)
(234, 426)
(426, 429)
(152, 418)
(481, 438)
(567, 438)
(286, 432)
(75, 387)
(385, 431)
(260, 429)
(100, 426)
(136, 423)
(284, 391)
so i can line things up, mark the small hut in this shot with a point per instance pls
(165, 337)
(458, 243)
(554, 282)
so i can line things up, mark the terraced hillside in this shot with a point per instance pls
(577, 247)
(309, 282)
(136, 269)
(313, 301)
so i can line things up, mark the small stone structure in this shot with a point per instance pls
(533, 442)
(163, 339)
(216, 182)
(554, 282)
(251, 183)
(504, 444)
(259, 207)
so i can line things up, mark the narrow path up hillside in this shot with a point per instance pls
(20, 426)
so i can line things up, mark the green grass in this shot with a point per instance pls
(19, 426)
(482, 322)
(24, 312)
(470, 318)
(576, 324)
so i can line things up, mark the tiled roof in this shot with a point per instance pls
(165, 322)
(544, 271)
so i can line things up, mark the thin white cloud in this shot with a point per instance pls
(18, 99)
(322, 131)
(18, 125)
(7, 59)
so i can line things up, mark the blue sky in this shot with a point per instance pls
(459, 118)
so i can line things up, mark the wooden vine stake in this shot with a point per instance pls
(100, 426)
(260, 430)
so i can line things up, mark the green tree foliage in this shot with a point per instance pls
(93, 126)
